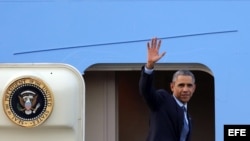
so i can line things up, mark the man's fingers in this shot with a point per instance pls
(148, 44)
(154, 43)
(159, 44)
(162, 54)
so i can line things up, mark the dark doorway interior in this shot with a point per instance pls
(133, 114)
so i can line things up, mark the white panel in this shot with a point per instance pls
(66, 122)
(100, 106)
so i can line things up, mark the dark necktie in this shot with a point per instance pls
(185, 128)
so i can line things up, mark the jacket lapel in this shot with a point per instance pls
(180, 118)
(190, 126)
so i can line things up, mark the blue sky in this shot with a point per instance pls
(38, 25)
(33, 25)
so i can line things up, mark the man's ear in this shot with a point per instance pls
(172, 86)
(194, 87)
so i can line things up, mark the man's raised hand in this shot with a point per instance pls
(153, 52)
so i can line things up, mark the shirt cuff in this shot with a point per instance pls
(148, 71)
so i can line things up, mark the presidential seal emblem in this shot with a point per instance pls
(28, 101)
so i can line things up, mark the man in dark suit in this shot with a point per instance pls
(169, 119)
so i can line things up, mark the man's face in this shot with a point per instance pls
(183, 88)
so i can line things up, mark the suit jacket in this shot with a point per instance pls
(166, 116)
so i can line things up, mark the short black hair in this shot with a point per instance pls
(183, 72)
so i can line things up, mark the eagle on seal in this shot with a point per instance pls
(28, 101)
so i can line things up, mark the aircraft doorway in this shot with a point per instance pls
(116, 112)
